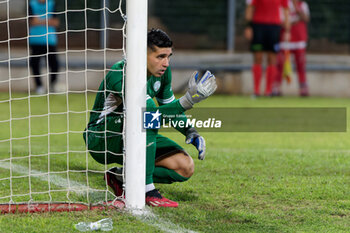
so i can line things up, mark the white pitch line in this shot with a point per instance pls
(146, 215)
(55, 179)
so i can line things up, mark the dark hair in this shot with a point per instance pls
(157, 37)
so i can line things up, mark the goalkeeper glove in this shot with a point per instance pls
(198, 89)
(193, 137)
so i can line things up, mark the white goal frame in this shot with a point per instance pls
(135, 98)
(134, 154)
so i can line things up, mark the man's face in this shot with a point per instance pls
(158, 60)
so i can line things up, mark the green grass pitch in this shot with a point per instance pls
(249, 182)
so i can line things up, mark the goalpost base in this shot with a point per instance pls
(58, 207)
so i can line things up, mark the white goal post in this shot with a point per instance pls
(135, 97)
(44, 163)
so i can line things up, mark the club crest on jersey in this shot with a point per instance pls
(156, 86)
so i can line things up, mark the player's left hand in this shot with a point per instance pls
(286, 36)
(199, 88)
(193, 137)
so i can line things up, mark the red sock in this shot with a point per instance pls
(271, 72)
(300, 62)
(279, 72)
(257, 73)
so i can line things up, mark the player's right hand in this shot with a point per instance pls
(199, 88)
(248, 33)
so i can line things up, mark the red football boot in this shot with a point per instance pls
(153, 198)
(114, 178)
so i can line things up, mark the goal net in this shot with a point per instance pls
(44, 163)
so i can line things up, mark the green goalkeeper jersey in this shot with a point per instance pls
(109, 99)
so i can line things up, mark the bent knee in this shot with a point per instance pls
(188, 172)
(181, 163)
(187, 167)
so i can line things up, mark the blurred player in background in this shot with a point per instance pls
(263, 30)
(166, 161)
(299, 17)
(43, 40)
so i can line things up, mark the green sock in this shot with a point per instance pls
(150, 154)
(167, 176)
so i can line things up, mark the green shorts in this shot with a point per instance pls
(105, 146)
(95, 139)
(166, 147)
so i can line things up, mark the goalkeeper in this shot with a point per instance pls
(166, 161)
